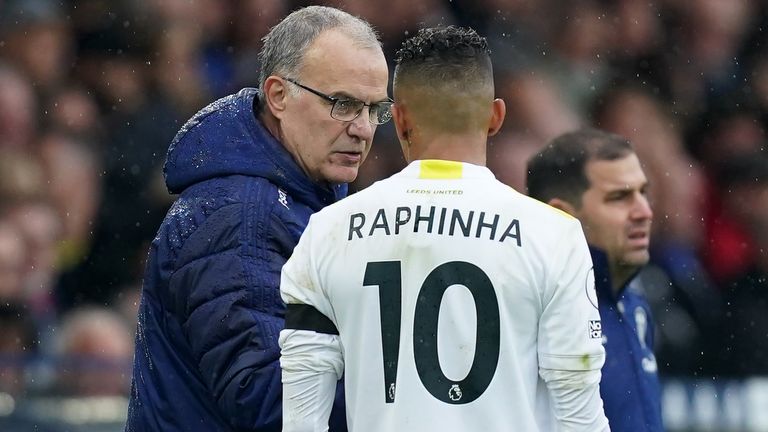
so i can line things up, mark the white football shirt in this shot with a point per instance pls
(460, 304)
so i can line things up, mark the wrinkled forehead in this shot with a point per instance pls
(622, 173)
(338, 63)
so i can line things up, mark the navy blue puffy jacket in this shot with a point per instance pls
(207, 356)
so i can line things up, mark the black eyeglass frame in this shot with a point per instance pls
(334, 101)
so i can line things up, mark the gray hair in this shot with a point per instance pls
(286, 43)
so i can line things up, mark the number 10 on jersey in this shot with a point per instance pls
(387, 276)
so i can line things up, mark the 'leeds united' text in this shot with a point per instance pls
(430, 219)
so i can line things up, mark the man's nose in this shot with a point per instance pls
(361, 126)
(642, 208)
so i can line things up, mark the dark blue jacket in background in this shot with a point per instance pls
(207, 357)
(630, 384)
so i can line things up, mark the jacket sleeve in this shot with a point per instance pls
(227, 301)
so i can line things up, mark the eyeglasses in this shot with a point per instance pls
(348, 109)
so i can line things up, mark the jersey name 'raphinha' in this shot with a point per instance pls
(443, 221)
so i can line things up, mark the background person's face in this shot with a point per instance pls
(615, 212)
(328, 149)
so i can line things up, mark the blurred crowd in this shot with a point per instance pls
(93, 91)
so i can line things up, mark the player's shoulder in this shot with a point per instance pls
(514, 199)
(547, 210)
(359, 201)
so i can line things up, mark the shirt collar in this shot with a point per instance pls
(438, 169)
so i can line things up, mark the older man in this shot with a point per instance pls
(251, 168)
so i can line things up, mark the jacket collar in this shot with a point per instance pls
(603, 281)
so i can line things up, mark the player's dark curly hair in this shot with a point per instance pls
(446, 76)
(442, 43)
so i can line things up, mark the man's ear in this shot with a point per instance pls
(563, 205)
(498, 112)
(276, 95)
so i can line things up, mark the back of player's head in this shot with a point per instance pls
(445, 78)
(559, 169)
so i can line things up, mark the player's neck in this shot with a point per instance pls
(468, 148)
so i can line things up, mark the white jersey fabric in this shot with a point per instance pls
(460, 304)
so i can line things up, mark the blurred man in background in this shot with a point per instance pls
(596, 177)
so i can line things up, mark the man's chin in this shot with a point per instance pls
(342, 174)
(637, 258)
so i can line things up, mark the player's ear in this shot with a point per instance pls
(563, 205)
(498, 112)
(276, 95)
(402, 123)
